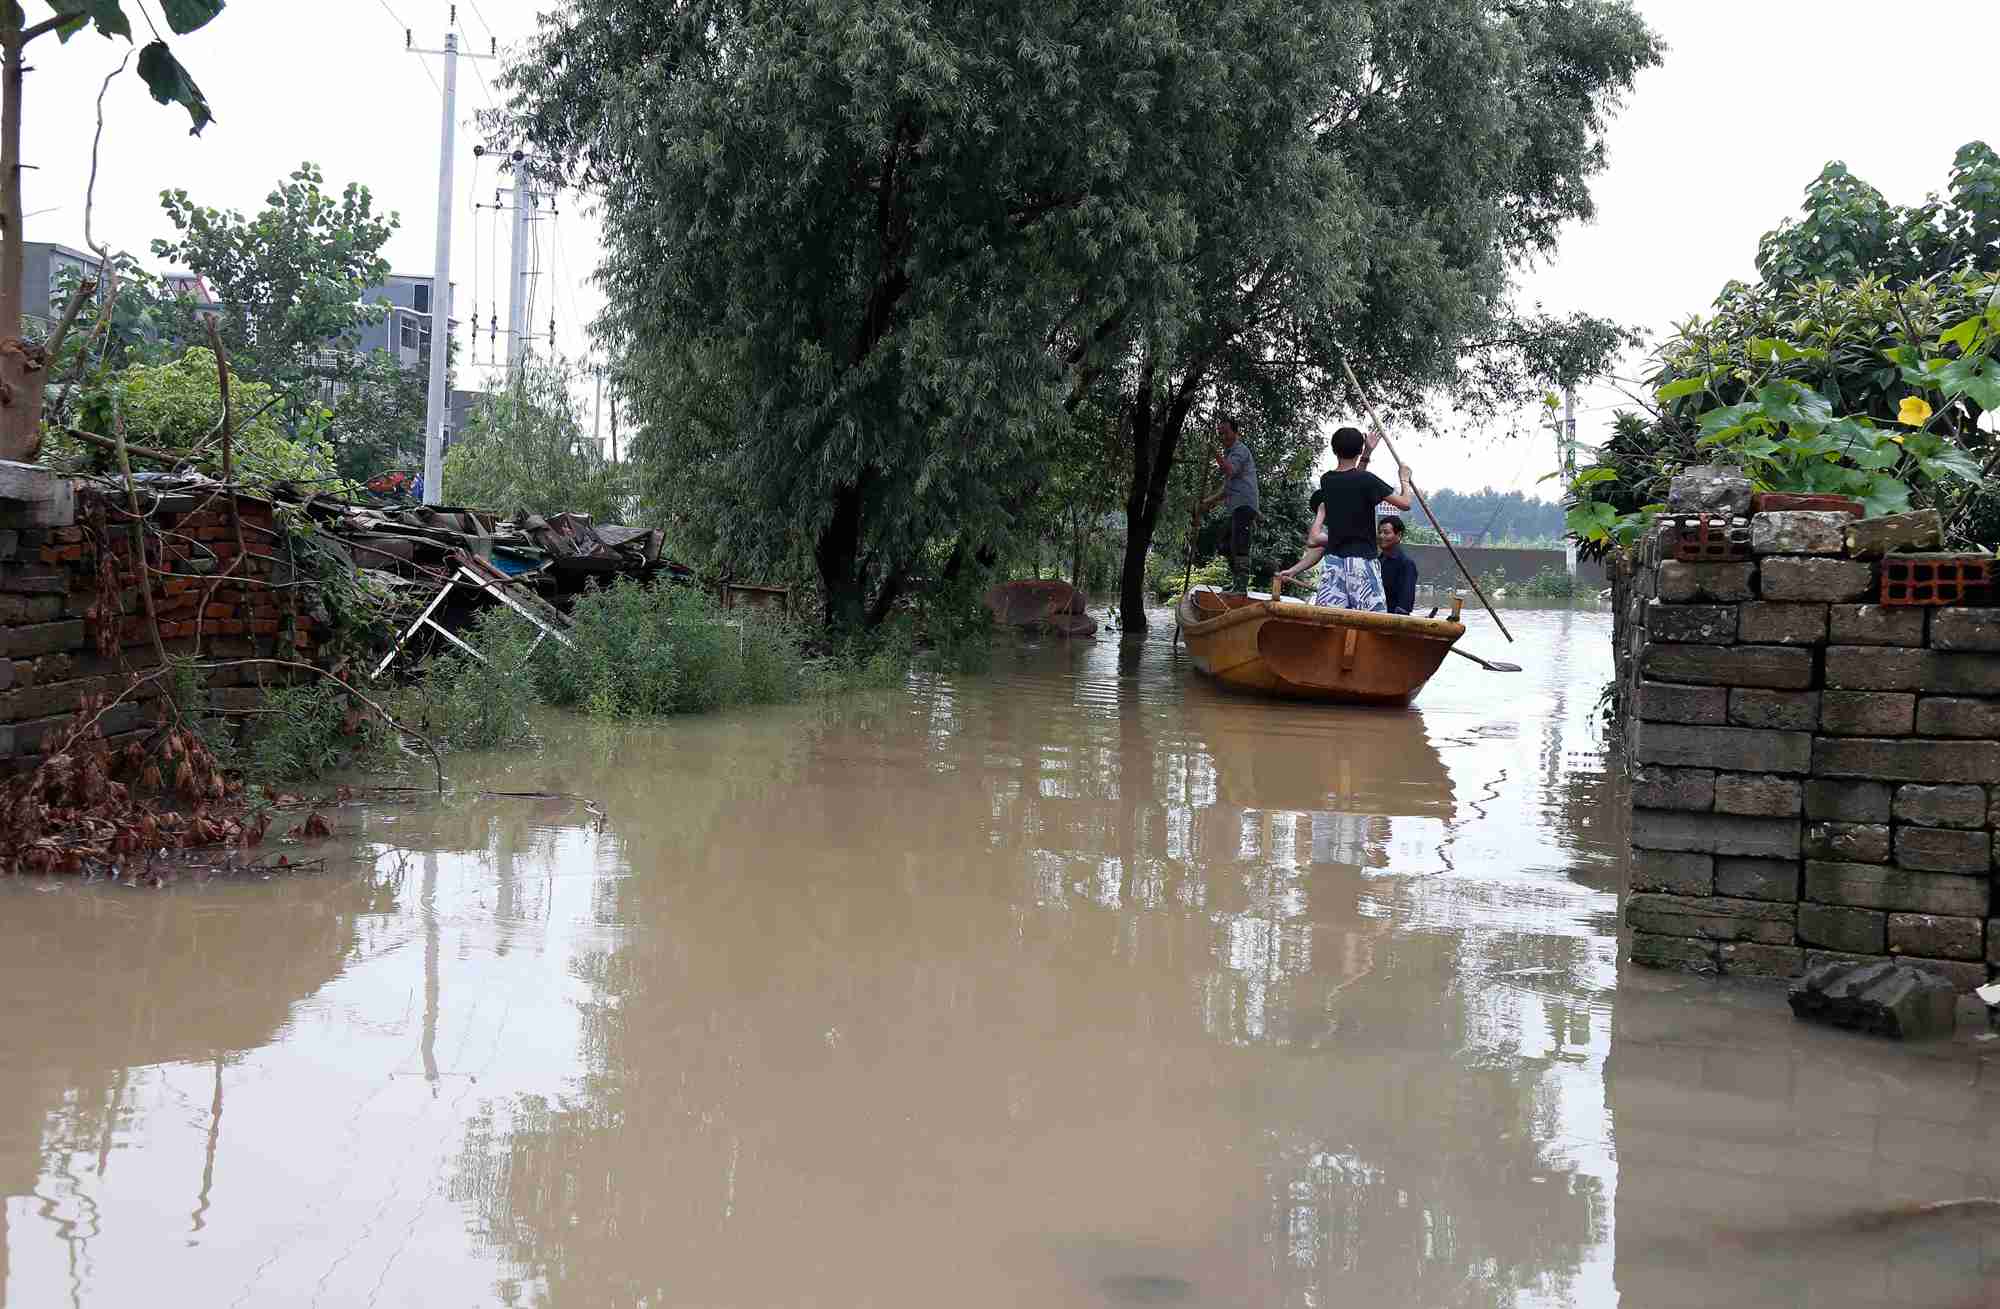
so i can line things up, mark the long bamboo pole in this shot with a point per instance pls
(1374, 418)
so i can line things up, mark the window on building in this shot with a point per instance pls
(409, 336)
(420, 296)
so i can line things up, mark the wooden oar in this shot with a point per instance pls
(1376, 419)
(1490, 665)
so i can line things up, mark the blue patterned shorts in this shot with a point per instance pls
(1351, 583)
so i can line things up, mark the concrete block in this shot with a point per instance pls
(1674, 872)
(1870, 538)
(1859, 931)
(1696, 624)
(1764, 623)
(1943, 850)
(1759, 794)
(40, 638)
(1654, 951)
(1796, 711)
(1963, 975)
(1754, 959)
(1882, 997)
(1756, 879)
(1874, 668)
(1684, 583)
(1798, 532)
(1954, 717)
(1831, 580)
(1879, 886)
(1867, 713)
(1905, 761)
(1875, 625)
(1710, 489)
(1656, 787)
(1779, 667)
(1664, 702)
(1713, 918)
(1941, 806)
(1965, 629)
(1860, 843)
(1932, 936)
(1847, 801)
(1763, 838)
(1741, 749)
(1993, 940)
(36, 496)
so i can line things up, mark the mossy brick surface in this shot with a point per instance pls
(1798, 532)
(1861, 843)
(1833, 581)
(1762, 622)
(1695, 624)
(1867, 713)
(1666, 702)
(1756, 879)
(1837, 927)
(1738, 749)
(1685, 583)
(1714, 918)
(1957, 805)
(1875, 625)
(1777, 667)
(1847, 801)
(1655, 786)
(1881, 886)
(1731, 834)
(1675, 872)
(1875, 668)
(1966, 629)
(1791, 711)
(1943, 849)
(1958, 717)
(1764, 795)
(1905, 760)
(1938, 936)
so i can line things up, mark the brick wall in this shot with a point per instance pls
(72, 621)
(1815, 775)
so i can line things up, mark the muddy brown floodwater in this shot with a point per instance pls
(1073, 984)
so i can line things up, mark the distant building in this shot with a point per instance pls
(44, 268)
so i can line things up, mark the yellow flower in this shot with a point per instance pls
(1914, 413)
(1897, 439)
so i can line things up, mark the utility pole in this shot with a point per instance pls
(439, 399)
(517, 294)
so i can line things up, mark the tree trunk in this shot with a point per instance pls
(838, 555)
(1140, 513)
(22, 365)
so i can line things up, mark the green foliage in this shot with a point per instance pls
(1850, 232)
(376, 423)
(310, 729)
(177, 405)
(467, 705)
(288, 281)
(164, 76)
(1550, 583)
(865, 260)
(528, 448)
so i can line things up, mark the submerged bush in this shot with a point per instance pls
(468, 705)
(307, 730)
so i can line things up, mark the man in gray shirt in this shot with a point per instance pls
(1238, 497)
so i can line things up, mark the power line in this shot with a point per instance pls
(491, 35)
(404, 28)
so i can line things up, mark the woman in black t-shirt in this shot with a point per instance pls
(1344, 525)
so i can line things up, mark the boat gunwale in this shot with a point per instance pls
(1310, 615)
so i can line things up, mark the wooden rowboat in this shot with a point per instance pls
(1309, 653)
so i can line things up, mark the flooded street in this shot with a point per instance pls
(1077, 983)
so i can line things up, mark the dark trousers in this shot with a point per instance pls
(1240, 521)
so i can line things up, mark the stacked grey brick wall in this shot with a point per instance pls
(1815, 776)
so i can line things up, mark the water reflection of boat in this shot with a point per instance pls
(1272, 756)
(1309, 653)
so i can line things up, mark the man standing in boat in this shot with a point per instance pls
(1350, 576)
(1238, 497)
(1399, 571)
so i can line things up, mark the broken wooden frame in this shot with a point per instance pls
(467, 572)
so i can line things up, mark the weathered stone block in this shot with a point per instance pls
(1759, 794)
(1943, 850)
(1654, 951)
(1712, 918)
(1798, 532)
(1752, 959)
(1664, 702)
(1682, 583)
(1766, 623)
(1879, 886)
(1667, 829)
(1964, 975)
(1861, 843)
(1656, 787)
(1869, 538)
(1675, 872)
(1935, 936)
(7, 673)
(1875, 625)
(1711, 489)
(1859, 931)
(1993, 940)
(1867, 713)
(1783, 577)
(40, 638)
(1884, 997)
(1949, 716)
(1696, 624)
(1905, 761)
(1965, 629)
(1847, 801)
(1796, 711)
(1941, 806)
(10, 545)
(16, 580)
(1873, 668)
(1780, 667)
(1741, 749)
(1757, 879)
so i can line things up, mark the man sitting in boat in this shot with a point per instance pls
(1238, 497)
(1399, 571)
(1350, 576)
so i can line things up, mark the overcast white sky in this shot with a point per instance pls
(1711, 151)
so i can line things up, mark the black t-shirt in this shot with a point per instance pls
(1350, 499)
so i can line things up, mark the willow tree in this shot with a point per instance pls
(22, 363)
(864, 257)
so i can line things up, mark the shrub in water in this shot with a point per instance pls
(472, 706)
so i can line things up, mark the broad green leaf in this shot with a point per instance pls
(185, 16)
(1686, 386)
(1964, 334)
(1592, 476)
(170, 84)
(1771, 347)
(108, 15)
(1718, 420)
(1984, 391)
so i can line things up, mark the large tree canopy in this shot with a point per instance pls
(866, 257)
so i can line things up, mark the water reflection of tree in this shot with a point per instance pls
(1073, 922)
(108, 985)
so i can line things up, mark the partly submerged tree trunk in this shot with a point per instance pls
(1156, 436)
(22, 364)
(838, 555)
